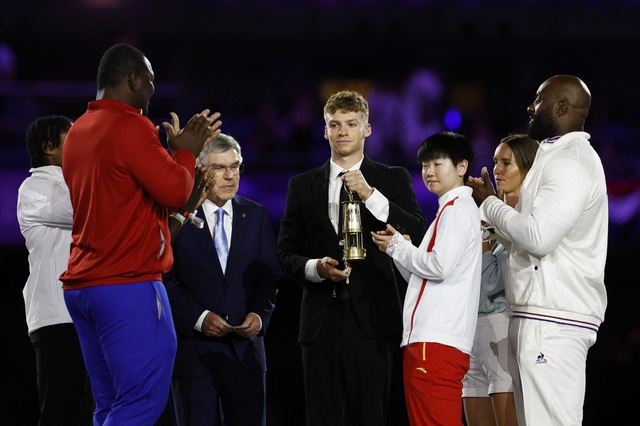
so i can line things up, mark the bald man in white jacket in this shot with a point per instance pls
(558, 246)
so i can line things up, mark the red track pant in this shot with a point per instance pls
(433, 383)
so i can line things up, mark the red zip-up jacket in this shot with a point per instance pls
(122, 181)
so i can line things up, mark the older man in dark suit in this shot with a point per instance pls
(222, 292)
(347, 331)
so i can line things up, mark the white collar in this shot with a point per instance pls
(334, 169)
(52, 172)
(209, 208)
(566, 136)
(452, 193)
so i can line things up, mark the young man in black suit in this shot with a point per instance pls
(348, 331)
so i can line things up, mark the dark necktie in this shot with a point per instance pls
(343, 197)
(341, 292)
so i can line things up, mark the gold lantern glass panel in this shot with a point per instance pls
(352, 230)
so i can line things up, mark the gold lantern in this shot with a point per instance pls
(352, 229)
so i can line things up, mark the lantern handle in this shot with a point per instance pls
(348, 190)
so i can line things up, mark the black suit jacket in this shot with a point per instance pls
(306, 233)
(196, 283)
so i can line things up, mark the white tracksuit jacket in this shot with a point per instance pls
(445, 308)
(558, 234)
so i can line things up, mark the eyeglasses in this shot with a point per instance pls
(219, 169)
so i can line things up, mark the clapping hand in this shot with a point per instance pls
(201, 187)
(482, 187)
(199, 131)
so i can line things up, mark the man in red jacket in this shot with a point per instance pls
(122, 181)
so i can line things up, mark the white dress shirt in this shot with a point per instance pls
(209, 209)
(377, 204)
(45, 216)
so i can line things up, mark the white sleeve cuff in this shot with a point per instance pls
(395, 240)
(311, 272)
(198, 326)
(378, 205)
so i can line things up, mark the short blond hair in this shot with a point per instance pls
(349, 101)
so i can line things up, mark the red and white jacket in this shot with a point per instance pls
(441, 304)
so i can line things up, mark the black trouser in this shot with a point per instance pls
(347, 374)
(63, 383)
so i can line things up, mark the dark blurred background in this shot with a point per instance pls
(472, 66)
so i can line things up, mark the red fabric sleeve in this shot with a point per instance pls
(169, 180)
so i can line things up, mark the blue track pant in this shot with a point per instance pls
(129, 343)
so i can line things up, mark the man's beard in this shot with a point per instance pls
(541, 126)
